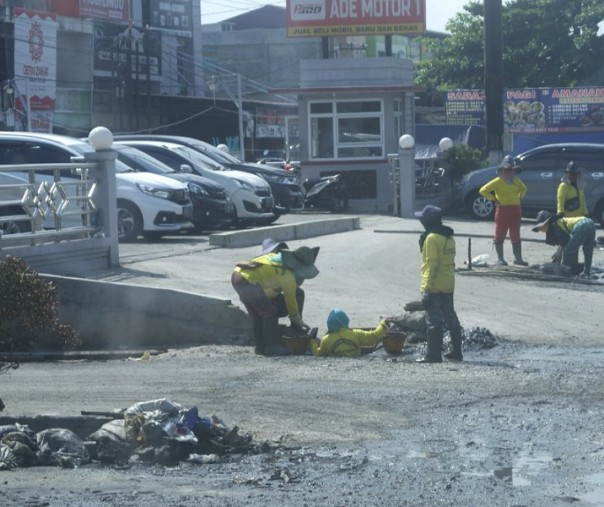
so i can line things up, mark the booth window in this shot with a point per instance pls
(346, 129)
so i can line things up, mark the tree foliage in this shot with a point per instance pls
(461, 159)
(545, 43)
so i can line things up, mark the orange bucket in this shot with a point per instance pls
(394, 342)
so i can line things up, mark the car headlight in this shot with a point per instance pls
(244, 185)
(162, 193)
(196, 189)
(274, 178)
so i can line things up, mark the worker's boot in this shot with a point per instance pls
(499, 251)
(455, 354)
(273, 340)
(434, 336)
(588, 259)
(517, 250)
(257, 331)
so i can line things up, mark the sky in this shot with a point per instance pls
(438, 12)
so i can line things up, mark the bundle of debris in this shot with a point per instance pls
(158, 431)
(413, 323)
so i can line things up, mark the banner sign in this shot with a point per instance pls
(329, 18)
(175, 15)
(36, 58)
(115, 10)
(538, 110)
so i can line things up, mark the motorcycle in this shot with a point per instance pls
(328, 192)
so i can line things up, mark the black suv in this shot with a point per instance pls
(286, 189)
(541, 169)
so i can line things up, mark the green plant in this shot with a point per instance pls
(28, 312)
(461, 159)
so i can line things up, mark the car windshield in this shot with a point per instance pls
(198, 158)
(141, 161)
(83, 148)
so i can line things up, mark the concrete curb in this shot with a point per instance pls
(302, 230)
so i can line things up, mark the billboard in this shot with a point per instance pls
(329, 18)
(533, 110)
(36, 58)
(115, 10)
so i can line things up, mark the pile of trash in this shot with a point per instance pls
(158, 431)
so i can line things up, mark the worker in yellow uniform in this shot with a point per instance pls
(506, 191)
(341, 340)
(268, 286)
(437, 247)
(570, 197)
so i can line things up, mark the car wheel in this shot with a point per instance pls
(480, 207)
(14, 227)
(129, 221)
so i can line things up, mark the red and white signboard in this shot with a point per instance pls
(331, 18)
(36, 58)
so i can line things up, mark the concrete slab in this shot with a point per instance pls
(287, 232)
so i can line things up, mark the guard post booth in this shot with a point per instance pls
(352, 113)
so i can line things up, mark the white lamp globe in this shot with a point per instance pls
(445, 144)
(223, 147)
(100, 138)
(406, 142)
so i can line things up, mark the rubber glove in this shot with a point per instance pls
(298, 323)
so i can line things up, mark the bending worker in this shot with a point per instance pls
(568, 234)
(267, 286)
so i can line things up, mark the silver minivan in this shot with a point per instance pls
(541, 170)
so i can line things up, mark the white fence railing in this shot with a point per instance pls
(60, 217)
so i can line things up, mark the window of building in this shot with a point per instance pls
(346, 129)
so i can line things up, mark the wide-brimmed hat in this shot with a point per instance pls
(429, 212)
(543, 218)
(301, 261)
(508, 162)
(269, 245)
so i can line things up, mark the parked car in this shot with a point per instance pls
(14, 218)
(147, 204)
(285, 185)
(251, 195)
(212, 207)
(541, 169)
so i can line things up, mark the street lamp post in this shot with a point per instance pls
(406, 155)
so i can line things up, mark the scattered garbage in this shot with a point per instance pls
(157, 431)
(481, 261)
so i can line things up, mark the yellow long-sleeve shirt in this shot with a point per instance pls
(274, 279)
(506, 193)
(568, 191)
(438, 264)
(347, 342)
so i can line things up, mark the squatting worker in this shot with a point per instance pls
(571, 193)
(568, 234)
(437, 247)
(506, 191)
(267, 286)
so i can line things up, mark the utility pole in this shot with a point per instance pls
(493, 79)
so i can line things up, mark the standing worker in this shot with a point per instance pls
(568, 234)
(506, 191)
(571, 193)
(267, 286)
(437, 247)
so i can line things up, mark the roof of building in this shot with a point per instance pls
(268, 16)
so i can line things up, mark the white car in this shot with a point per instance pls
(251, 194)
(147, 204)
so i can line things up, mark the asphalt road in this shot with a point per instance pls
(519, 424)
